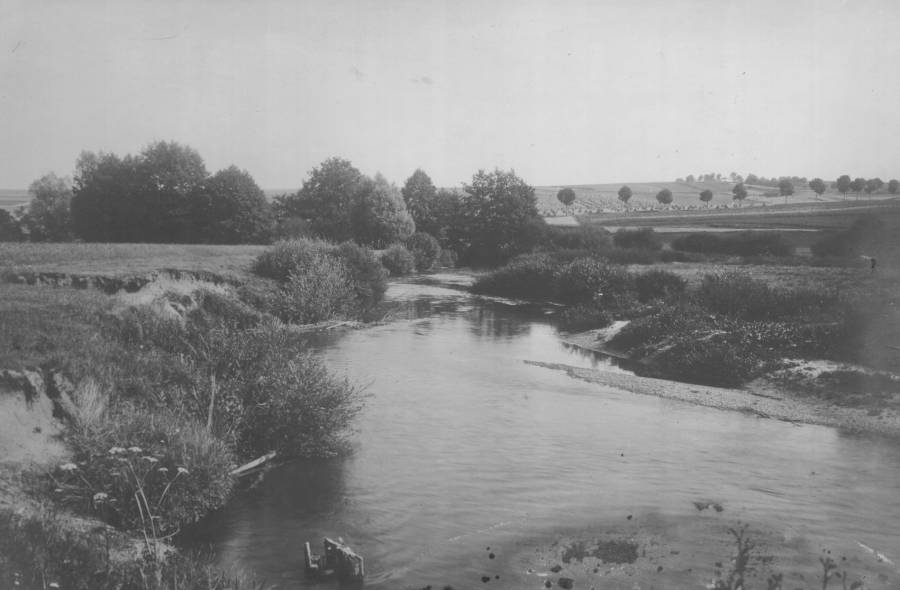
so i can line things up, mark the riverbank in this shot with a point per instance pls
(765, 397)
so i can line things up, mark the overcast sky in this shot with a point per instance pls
(564, 92)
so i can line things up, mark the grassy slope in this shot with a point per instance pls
(125, 259)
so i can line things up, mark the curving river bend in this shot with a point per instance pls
(464, 446)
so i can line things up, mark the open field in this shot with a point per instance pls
(126, 259)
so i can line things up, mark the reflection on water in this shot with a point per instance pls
(463, 445)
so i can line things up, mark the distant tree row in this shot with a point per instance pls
(162, 194)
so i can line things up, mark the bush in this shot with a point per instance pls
(739, 295)
(367, 276)
(425, 249)
(657, 284)
(529, 276)
(591, 238)
(398, 260)
(151, 472)
(866, 234)
(583, 317)
(588, 279)
(643, 238)
(748, 243)
(711, 361)
(286, 257)
(448, 258)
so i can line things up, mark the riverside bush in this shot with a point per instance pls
(591, 238)
(587, 279)
(642, 238)
(398, 260)
(657, 284)
(529, 275)
(748, 243)
(366, 277)
(138, 470)
(739, 295)
(425, 249)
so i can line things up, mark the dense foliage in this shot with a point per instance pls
(748, 243)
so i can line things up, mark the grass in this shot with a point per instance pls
(127, 259)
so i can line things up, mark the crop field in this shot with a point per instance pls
(604, 198)
(126, 259)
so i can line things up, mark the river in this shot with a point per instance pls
(463, 446)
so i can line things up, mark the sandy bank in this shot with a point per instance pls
(761, 397)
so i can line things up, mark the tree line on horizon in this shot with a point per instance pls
(165, 194)
(844, 184)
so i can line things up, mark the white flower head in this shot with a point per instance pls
(183, 471)
(136, 449)
(53, 585)
(150, 459)
(163, 469)
(68, 467)
(100, 497)
(116, 450)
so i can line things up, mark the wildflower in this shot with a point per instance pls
(116, 450)
(184, 471)
(150, 459)
(100, 497)
(163, 470)
(53, 585)
(136, 449)
(68, 467)
(58, 490)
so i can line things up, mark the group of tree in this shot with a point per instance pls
(162, 194)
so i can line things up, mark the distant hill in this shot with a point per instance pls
(10, 198)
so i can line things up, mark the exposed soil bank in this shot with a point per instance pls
(761, 397)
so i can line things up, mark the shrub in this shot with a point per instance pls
(630, 256)
(588, 279)
(643, 238)
(739, 295)
(425, 249)
(398, 260)
(531, 276)
(448, 258)
(583, 317)
(151, 472)
(866, 233)
(583, 237)
(286, 257)
(367, 276)
(748, 243)
(713, 361)
(657, 284)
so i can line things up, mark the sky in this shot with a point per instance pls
(563, 92)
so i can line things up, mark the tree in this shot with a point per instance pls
(664, 196)
(327, 198)
(690, 178)
(379, 216)
(10, 231)
(566, 196)
(706, 196)
(893, 186)
(49, 216)
(752, 178)
(873, 185)
(230, 208)
(143, 198)
(858, 185)
(786, 188)
(625, 194)
(817, 185)
(739, 193)
(168, 174)
(498, 217)
(843, 185)
(419, 194)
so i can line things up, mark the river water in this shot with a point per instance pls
(463, 446)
